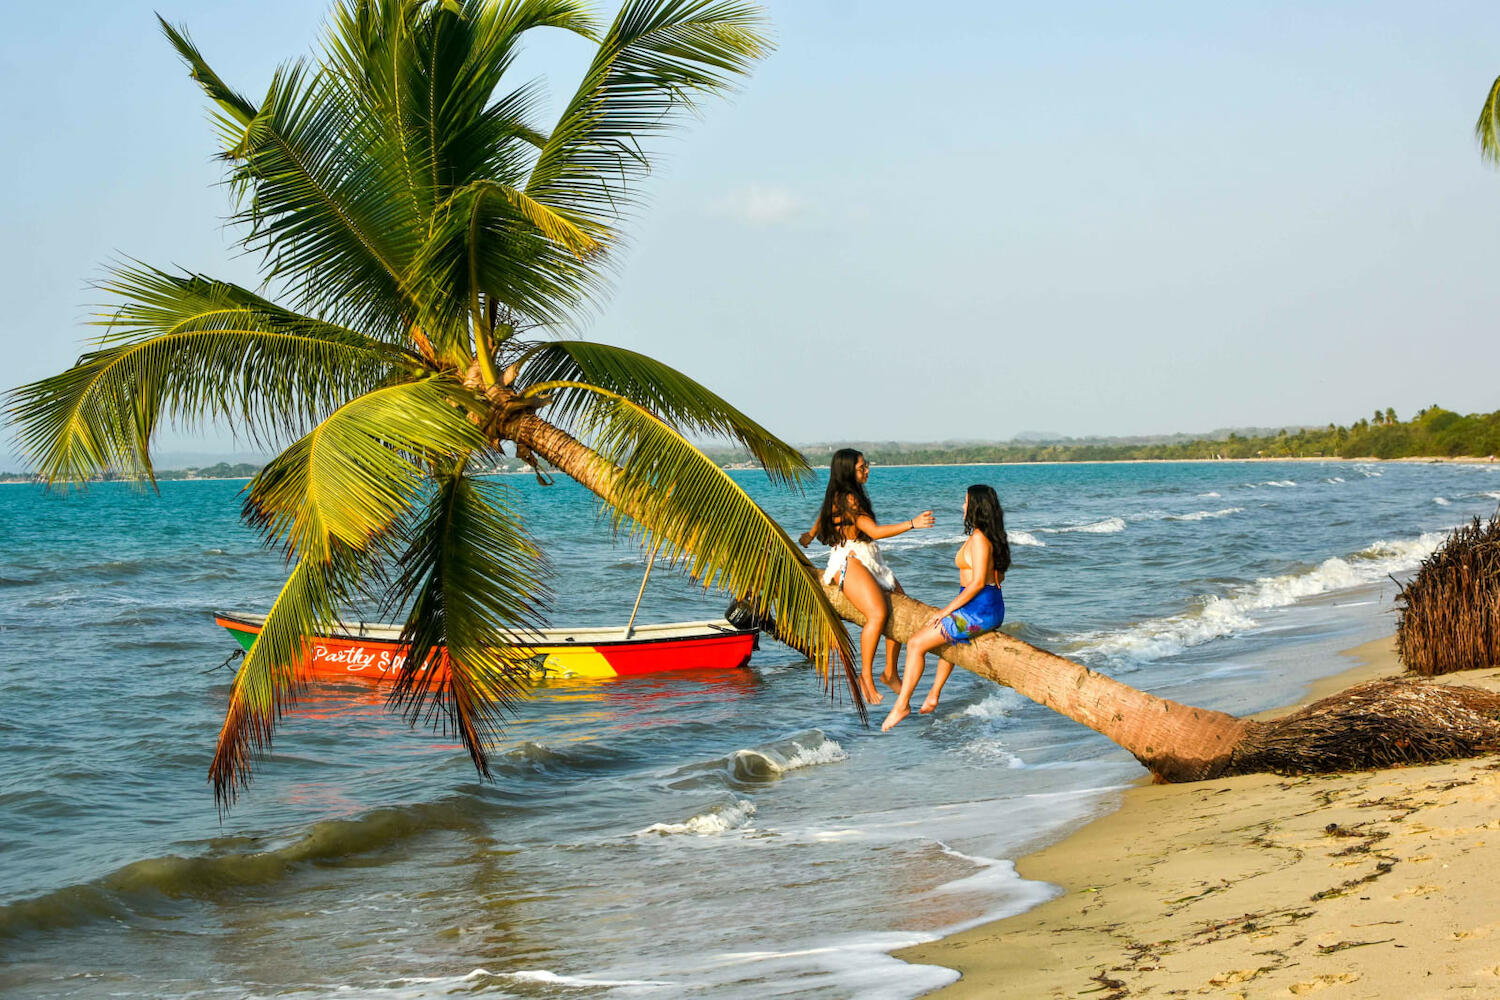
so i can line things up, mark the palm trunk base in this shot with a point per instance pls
(1384, 723)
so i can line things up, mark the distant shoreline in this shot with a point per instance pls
(15, 479)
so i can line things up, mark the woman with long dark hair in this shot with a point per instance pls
(979, 607)
(846, 524)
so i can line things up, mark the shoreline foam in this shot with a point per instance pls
(1374, 882)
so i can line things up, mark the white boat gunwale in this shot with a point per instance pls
(641, 635)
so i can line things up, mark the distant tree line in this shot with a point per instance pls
(1433, 433)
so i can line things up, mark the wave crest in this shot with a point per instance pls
(1108, 526)
(1219, 616)
(715, 819)
(1204, 515)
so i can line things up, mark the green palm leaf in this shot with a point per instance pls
(192, 349)
(428, 73)
(471, 577)
(336, 224)
(268, 679)
(349, 480)
(662, 484)
(1487, 128)
(651, 64)
(492, 241)
(666, 392)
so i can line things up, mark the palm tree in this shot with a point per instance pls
(427, 237)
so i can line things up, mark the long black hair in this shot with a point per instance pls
(986, 515)
(842, 484)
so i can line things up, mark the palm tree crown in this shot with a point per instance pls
(427, 236)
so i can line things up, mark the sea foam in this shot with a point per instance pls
(1204, 515)
(1108, 526)
(1219, 616)
(715, 819)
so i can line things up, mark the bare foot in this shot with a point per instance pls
(930, 704)
(871, 694)
(897, 714)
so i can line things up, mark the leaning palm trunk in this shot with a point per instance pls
(1378, 724)
(1176, 741)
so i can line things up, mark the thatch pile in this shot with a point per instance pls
(1450, 612)
(1383, 723)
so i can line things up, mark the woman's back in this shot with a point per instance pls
(976, 561)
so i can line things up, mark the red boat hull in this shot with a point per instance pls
(373, 653)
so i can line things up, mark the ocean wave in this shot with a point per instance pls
(1334, 479)
(1218, 616)
(745, 768)
(1208, 496)
(582, 757)
(1204, 515)
(992, 749)
(1441, 501)
(999, 705)
(143, 886)
(1279, 483)
(716, 819)
(1108, 526)
(1023, 538)
(552, 978)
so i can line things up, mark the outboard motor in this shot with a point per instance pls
(742, 615)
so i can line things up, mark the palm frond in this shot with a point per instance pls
(471, 578)
(269, 677)
(1487, 128)
(666, 392)
(663, 485)
(492, 240)
(429, 72)
(654, 61)
(350, 479)
(333, 222)
(192, 349)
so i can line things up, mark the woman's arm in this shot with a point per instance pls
(866, 524)
(807, 536)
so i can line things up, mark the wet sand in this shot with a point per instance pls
(1369, 884)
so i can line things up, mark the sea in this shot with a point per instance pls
(727, 835)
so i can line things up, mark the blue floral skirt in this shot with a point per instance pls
(985, 612)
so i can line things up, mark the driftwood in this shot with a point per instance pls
(1378, 724)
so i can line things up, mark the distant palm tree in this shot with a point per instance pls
(426, 233)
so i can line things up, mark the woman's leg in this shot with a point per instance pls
(944, 669)
(892, 655)
(917, 649)
(865, 594)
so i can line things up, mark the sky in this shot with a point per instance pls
(915, 223)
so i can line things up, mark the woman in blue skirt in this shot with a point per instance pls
(978, 608)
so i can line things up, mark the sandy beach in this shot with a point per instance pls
(1369, 884)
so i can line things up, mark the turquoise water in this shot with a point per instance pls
(723, 836)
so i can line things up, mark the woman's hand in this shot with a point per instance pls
(805, 539)
(923, 520)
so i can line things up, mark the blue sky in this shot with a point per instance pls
(964, 221)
